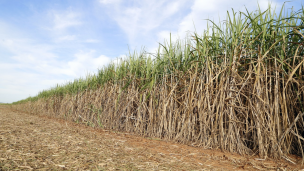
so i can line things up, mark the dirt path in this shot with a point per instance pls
(41, 143)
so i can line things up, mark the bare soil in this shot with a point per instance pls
(30, 142)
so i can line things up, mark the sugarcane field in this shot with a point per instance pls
(231, 98)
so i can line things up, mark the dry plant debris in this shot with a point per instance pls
(30, 142)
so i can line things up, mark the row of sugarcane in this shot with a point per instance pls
(238, 87)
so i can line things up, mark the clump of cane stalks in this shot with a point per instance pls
(238, 87)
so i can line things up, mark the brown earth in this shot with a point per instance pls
(40, 143)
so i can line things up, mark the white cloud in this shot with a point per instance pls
(29, 66)
(85, 62)
(64, 19)
(91, 41)
(20, 83)
(107, 2)
(67, 38)
(145, 16)
(26, 51)
(61, 24)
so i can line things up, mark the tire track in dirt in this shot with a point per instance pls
(41, 143)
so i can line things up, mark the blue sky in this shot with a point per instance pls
(43, 43)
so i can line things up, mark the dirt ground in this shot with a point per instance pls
(30, 142)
